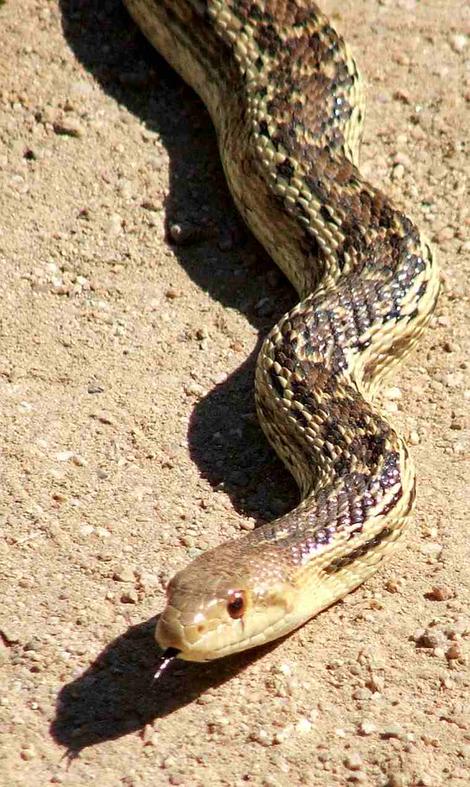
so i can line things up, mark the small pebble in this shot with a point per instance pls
(358, 777)
(392, 731)
(367, 727)
(150, 205)
(454, 379)
(376, 683)
(454, 652)
(183, 234)
(392, 585)
(28, 752)
(414, 438)
(114, 225)
(94, 388)
(397, 779)
(68, 128)
(303, 726)
(393, 393)
(168, 762)
(193, 389)
(64, 456)
(402, 95)
(129, 597)
(10, 634)
(402, 158)
(398, 172)
(459, 628)
(444, 235)
(440, 593)
(432, 550)
(124, 574)
(262, 737)
(361, 694)
(281, 736)
(425, 780)
(458, 42)
(353, 761)
(79, 460)
(86, 530)
(147, 733)
(430, 638)
(172, 293)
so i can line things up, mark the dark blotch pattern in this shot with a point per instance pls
(303, 113)
(351, 557)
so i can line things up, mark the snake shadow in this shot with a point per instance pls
(221, 256)
(117, 694)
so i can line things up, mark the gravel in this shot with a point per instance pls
(127, 278)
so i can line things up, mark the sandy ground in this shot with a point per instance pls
(130, 443)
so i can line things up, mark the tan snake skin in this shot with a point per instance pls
(286, 100)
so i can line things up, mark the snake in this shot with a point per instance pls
(287, 102)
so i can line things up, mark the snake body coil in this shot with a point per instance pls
(286, 100)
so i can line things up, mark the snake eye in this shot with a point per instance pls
(236, 604)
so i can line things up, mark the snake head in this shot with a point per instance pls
(225, 602)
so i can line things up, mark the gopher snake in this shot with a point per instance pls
(286, 100)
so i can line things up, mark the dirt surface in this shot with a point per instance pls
(130, 442)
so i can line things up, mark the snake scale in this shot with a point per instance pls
(287, 103)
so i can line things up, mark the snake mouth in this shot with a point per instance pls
(202, 629)
(170, 654)
(169, 633)
(171, 636)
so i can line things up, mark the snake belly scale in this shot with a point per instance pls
(286, 99)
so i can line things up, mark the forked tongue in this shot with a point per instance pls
(169, 655)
